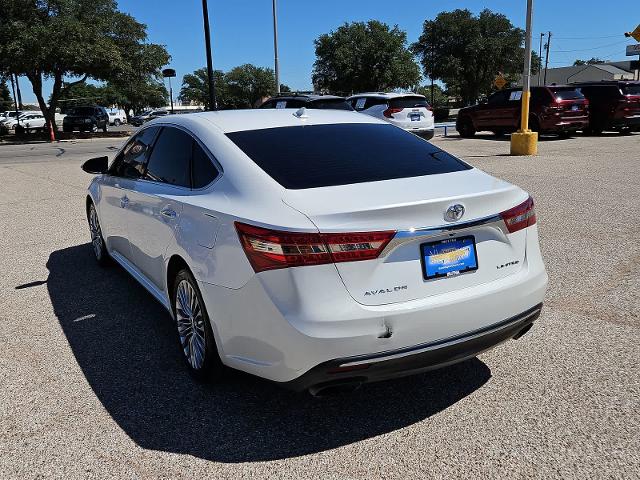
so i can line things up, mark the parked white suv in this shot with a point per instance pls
(116, 117)
(409, 111)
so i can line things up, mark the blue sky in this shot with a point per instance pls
(242, 30)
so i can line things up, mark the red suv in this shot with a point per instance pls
(553, 109)
(613, 105)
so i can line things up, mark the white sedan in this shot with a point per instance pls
(319, 249)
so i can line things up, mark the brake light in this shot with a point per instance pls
(272, 249)
(430, 108)
(522, 216)
(390, 111)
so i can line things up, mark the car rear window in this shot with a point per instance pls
(631, 89)
(342, 154)
(332, 104)
(567, 93)
(408, 102)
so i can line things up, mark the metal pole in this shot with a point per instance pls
(546, 62)
(540, 57)
(171, 94)
(275, 45)
(213, 104)
(15, 98)
(526, 74)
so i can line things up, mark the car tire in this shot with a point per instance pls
(499, 133)
(94, 128)
(195, 335)
(534, 124)
(565, 135)
(117, 122)
(465, 127)
(67, 129)
(97, 240)
(105, 129)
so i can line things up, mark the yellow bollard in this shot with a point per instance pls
(524, 141)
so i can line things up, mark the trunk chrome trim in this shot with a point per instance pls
(406, 236)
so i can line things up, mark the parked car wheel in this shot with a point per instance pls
(117, 122)
(67, 129)
(465, 127)
(194, 328)
(105, 129)
(94, 128)
(97, 241)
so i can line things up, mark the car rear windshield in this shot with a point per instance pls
(631, 89)
(83, 111)
(328, 155)
(332, 104)
(408, 102)
(567, 93)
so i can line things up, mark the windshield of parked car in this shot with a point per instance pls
(567, 93)
(408, 102)
(341, 154)
(82, 111)
(631, 89)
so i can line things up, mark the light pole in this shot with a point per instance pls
(213, 104)
(540, 58)
(168, 73)
(524, 141)
(275, 45)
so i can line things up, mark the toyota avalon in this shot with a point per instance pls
(317, 248)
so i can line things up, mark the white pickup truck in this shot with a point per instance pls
(116, 117)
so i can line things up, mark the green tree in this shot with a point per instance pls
(591, 61)
(195, 87)
(6, 102)
(247, 84)
(240, 87)
(67, 38)
(466, 52)
(361, 56)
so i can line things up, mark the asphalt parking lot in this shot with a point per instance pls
(93, 385)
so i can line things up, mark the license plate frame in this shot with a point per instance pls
(415, 117)
(431, 271)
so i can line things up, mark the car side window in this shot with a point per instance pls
(203, 171)
(131, 161)
(171, 158)
(358, 103)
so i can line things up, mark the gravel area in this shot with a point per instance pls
(93, 386)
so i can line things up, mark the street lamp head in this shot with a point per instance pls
(168, 73)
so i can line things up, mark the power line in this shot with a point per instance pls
(588, 38)
(592, 48)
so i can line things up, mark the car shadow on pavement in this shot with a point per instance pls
(125, 344)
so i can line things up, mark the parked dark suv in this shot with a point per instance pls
(613, 105)
(86, 119)
(553, 109)
(297, 100)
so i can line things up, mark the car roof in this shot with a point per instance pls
(387, 95)
(228, 121)
(607, 82)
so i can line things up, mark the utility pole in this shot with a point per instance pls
(546, 61)
(213, 104)
(524, 141)
(540, 57)
(275, 45)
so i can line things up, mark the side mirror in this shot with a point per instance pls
(96, 165)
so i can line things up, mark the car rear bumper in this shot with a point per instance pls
(626, 122)
(565, 125)
(416, 359)
(284, 323)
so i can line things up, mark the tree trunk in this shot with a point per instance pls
(35, 78)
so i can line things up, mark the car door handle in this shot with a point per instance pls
(168, 212)
(124, 201)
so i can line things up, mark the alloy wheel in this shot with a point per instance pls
(191, 324)
(96, 234)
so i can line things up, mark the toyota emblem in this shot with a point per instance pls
(454, 213)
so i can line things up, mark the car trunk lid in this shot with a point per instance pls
(415, 207)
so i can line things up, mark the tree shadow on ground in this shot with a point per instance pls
(124, 342)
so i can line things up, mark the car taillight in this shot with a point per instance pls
(390, 111)
(522, 216)
(271, 249)
(430, 108)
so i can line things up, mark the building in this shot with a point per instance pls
(587, 73)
